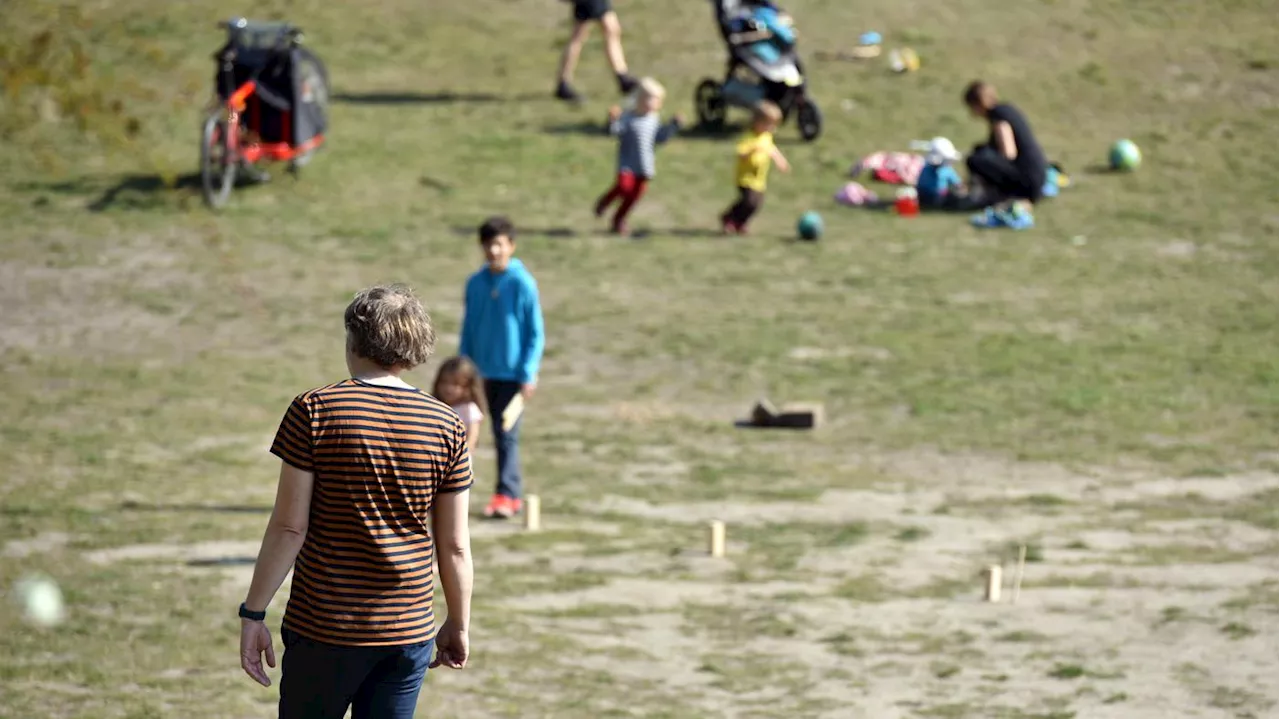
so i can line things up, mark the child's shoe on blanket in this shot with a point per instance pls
(1014, 218)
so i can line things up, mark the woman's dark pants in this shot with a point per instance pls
(320, 681)
(1001, 177)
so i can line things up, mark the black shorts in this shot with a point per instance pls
(588, 10)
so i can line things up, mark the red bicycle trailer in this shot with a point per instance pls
(272, 106)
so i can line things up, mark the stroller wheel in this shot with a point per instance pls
(709, 99)
(809, 119)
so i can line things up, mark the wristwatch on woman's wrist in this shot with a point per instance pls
(245, 613)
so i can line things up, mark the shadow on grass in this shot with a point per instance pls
(582, 127)
(701, 233)
(434, 184)
(139, 192)
(524, 232)
(600, 128)
(224, 508)
(223, 562)
(681, 232)
(1101, 169)
(961, 206)
(428, 98)
(703, 132)
(131, 192)
(641, 233)
(789, 139)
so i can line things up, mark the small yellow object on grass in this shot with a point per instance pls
(904, 60)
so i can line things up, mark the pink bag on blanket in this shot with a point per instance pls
(895, 168)
(855, 195)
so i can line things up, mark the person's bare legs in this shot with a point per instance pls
(569, 60)
(613, 50)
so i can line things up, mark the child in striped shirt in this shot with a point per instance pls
(638, 131)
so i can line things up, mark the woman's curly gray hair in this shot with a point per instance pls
(388, 325)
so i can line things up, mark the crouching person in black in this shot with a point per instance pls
(1009, 169)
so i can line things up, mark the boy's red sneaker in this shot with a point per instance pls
(510, 508)
(496, 502)
(503, 507)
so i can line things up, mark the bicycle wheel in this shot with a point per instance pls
(217, 169)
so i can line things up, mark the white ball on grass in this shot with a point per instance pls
(41, 601)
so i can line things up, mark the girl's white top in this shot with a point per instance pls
(470, 413)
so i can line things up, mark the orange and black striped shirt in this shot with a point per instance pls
(380, 455)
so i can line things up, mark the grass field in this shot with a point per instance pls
(1102, 389)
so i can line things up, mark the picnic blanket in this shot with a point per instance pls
(895, 168)
(903, 168)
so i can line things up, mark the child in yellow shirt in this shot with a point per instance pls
(756, 153)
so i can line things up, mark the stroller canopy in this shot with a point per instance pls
(291, 80)
(772, 58)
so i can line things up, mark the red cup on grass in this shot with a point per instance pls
(907, 203)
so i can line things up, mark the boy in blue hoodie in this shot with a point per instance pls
(502, 335)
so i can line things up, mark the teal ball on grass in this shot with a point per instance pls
(1125, 155)
(810, 226)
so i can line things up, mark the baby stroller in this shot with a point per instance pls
(271, 104)
(763, 65)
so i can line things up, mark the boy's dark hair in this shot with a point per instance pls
(497, 226)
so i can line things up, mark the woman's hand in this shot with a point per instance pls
(452, 647)
(255, 639)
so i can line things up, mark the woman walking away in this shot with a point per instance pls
(586, 12)
(373, 481)
(1010, 167)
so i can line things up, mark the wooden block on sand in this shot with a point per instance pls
(763, 414)
(532, 513)
(799, 415)
(992, 581)
(715, 538)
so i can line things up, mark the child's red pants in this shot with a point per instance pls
(629, 188)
